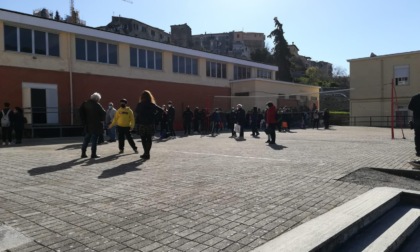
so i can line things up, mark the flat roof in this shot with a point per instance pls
(30, 20)
(385, 56)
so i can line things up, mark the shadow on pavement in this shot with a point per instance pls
(54, 168)
(91, 161)
(121, 169)
(277, 146)
(71, 147)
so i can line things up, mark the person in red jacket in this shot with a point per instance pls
(271, 121)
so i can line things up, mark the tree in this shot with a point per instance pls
(57, 16)
(262, 56)
(339, 71)
(281, 52)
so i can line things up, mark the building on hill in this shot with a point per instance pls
(132, 27)
(301, 63)
(181, 35)
(234, 44)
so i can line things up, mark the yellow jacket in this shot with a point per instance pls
(124, 117)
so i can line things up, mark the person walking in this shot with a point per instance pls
(414, 106)
(124, 120)
(92, 115)
(18, 124)
(6, 118)
(255, 122)
(110, 114)
(187, 116)
(315, 117)
(171, 119)
(147, 109)
(271, 121)
(241, 120)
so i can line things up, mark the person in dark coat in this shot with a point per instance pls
(6, 130)
(196, 120)
(171, 119)
(240, 119)
(187, 116)
(255, 122)
(147, 110)
(92, 115)
(18, 124)
(231, 121)
(414, 106)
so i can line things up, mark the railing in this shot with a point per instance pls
(380, 121)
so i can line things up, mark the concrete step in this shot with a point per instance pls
(331, 231)
(388, 233)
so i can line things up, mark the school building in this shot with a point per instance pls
(50, 67)
(373, 101)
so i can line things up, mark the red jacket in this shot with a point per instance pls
(271, 115)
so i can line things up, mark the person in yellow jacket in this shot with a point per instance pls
(124, 120)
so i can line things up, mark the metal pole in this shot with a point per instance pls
(392, 108)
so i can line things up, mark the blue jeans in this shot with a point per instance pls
(90, 137)
(111, 133)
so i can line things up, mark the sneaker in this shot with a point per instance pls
(145, 156)
(121, 151)
(83, 155)
(95, 156)
(136, 151)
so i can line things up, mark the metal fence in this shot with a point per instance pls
(380, 121)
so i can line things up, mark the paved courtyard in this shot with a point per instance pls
(196, 193)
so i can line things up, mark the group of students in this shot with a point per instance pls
(12, 121)
(93, 116)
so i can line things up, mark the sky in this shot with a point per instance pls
(325, 30)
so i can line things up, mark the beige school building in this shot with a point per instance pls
(371, 81)
(50, 67)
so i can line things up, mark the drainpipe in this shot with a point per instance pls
(70, 60)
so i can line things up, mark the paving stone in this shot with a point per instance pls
(211, 192)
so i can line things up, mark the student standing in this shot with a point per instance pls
(92, 115)
(124, 120)
(147, 110)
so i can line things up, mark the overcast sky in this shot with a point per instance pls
(325, 30)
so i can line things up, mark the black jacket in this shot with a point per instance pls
(146, 112)
(92, 115)
(414, 105)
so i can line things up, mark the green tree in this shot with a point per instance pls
(281, 52)
(57, 16)
(262, 56)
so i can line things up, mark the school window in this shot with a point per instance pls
(241, 72)
(215, 69)
(95, 51)
(264, 74)
(31, 41)
(184, 65)
(401, 75)
(143, 58)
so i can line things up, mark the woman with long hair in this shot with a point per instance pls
(146, 112)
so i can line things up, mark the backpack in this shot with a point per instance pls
(5, 121)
